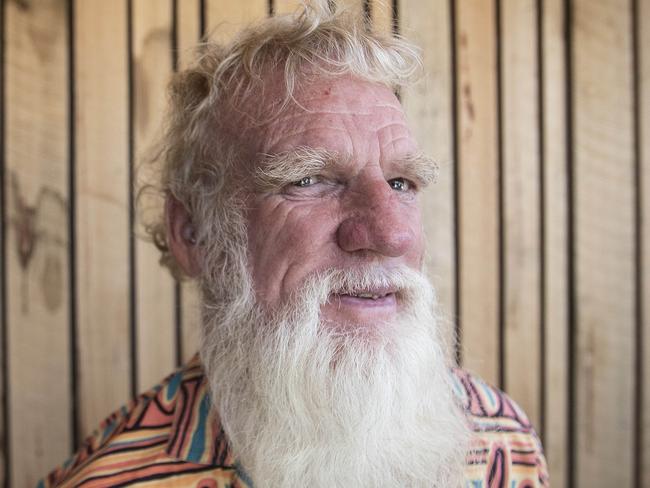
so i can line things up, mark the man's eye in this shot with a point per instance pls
(401, 184)
(306, 181)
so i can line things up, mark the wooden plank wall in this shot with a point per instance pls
(36, 259)
(604, 185)
(538, 113)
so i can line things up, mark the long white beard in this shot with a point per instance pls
(305, 404)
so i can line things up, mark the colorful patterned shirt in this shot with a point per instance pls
(169, 437)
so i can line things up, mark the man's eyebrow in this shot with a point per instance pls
(419, 167)
(277, 170)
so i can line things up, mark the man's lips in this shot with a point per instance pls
(370, 306)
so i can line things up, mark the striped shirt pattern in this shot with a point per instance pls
(170, 437)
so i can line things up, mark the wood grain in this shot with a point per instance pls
(225, 17)
(382, 15)
(555, 242)
(478, 187)
(604, 212)
(102, 176)
(156, 304)
(643, 110)
(521, 186)
(188, 16)
(285, 6)
(37, 264)
(428, 107)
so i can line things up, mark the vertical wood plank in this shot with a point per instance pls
(604, 172)
(285, 6)
(643, 110)
(428, 106)
(225, 17)
(478, 187)
(37, 259)
(381, 14)
(555, 242)
(4, 432)
(102, 176)
(152, 67)
(521, 180)
(188, 32)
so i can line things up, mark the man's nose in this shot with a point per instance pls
(376, 222)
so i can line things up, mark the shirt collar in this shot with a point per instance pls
(196, 435)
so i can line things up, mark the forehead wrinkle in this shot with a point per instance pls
(346, 109)
(304, 131)
(394, 141)
(317, 125)
(297, 114)
(336, 89)
(391, 125)
(362, 107)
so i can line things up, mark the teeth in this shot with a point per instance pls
(365, 295)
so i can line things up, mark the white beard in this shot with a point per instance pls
(305, 405)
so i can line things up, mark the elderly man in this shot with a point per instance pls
(291, 182)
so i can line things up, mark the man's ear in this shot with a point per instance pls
(181, 237)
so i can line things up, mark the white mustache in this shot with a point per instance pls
(403, 281)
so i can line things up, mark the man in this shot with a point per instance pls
(291, 182)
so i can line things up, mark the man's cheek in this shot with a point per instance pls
(309, 226)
